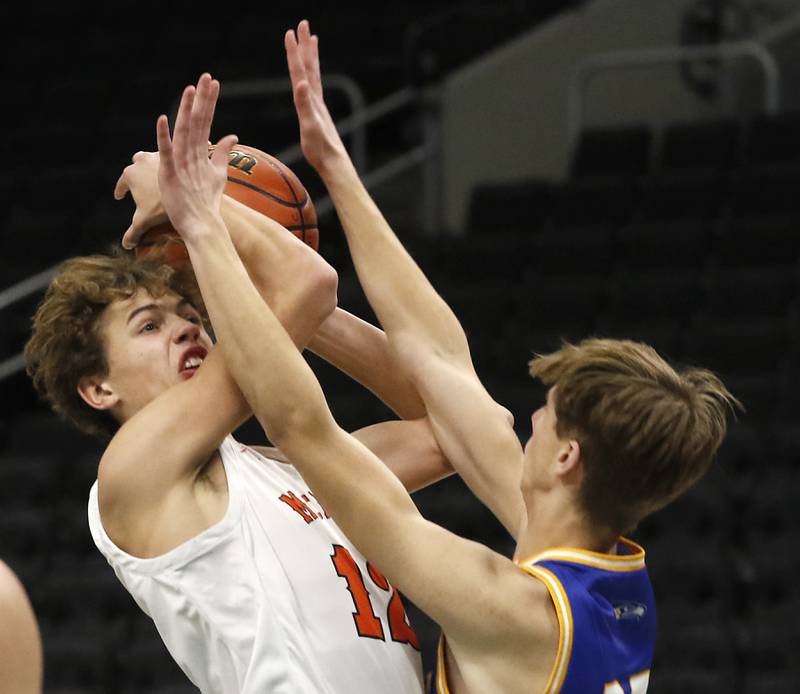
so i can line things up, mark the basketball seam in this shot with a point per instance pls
(300, 227)
(299, 204)
(275, 198)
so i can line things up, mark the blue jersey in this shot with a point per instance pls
(607, 618)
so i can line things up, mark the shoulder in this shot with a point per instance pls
(11, 590)
(20, 644)
(15, 607)
(522, 634)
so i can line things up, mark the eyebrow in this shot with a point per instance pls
(155, 307)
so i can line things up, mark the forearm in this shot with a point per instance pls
(361, 350)
(290, 276)
(410, 310)
(259, 352)
(285, 395)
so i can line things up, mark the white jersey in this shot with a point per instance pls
(273, 598)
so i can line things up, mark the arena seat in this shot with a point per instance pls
(772, 140)
(25, 537)
(771, 657)
(548, 302)
(752, 292)
(647, 296)
(42, 432)
(666, 679)
(508, 207)
(580, 252)
(742, 452)
(594, 201)
(767, 191)
(687, 195)
(614, 152)
(714, 146)
(733, 347)
(79, 661)
(698, 658)
(665, 245)
(767, 241)
(26, 481)
(771, 521)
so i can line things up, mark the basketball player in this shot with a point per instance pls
(20, 643)
(251, 584)
(620, 435)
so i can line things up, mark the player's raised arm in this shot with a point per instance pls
(293, 280)
(367, 501)
(155, 448)
(426, 338)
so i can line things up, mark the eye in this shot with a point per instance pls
(149, 327)
(194, 319)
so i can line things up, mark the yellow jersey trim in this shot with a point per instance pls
(564, 614)
(441, 674)
(608, 562)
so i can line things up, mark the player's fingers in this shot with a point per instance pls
(312, 67)
(133, 233)
(296, 70)
(303, 32)
(164, 145)
(220, 155)
(304, 42)
(303, 104)
(212, 106)
(122, 187)
(202, 112)
(184, 117)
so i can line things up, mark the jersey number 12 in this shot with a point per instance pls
(367, 622)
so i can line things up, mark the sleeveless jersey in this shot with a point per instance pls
(273, 598)
(607, 618)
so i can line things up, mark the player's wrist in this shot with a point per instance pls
(336, 166)
(206, 230)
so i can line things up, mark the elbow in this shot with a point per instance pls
(297, 428)
(320, 289)
(327, 282)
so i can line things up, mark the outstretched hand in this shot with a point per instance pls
(141, 179)
(191, 181)
(319, 139)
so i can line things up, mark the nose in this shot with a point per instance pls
(186, 331)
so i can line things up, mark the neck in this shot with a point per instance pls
(554, 521)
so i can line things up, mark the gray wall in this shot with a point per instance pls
(505, 117)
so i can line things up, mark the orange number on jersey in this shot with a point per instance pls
(399, 628)
(367, 623)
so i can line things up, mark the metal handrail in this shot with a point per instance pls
(648, 57)
(279, 85)
(353, 123)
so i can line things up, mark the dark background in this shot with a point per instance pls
(688, 241)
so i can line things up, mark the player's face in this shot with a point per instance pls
(151, 345)
(543, 446)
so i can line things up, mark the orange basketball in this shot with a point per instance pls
(261, 182)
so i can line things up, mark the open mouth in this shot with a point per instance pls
(191, 361)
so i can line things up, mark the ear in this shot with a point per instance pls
(569, 462)
(97, 393)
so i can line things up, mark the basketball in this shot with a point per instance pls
(261, 182)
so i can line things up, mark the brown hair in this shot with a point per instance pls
(66, 343)
(647, 432)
